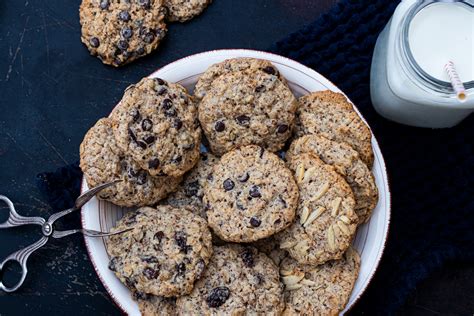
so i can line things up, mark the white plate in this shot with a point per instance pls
(370, 239)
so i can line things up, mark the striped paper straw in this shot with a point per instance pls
(455, 81)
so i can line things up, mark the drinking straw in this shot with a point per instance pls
(455, 81)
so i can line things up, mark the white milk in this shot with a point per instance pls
(442, 32)
(424, 35)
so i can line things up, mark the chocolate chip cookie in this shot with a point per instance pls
(163, 254)
(346, 161)
(251, 195)
(319, 290)
(156, 124)
(331, 115)
(184, 10)
(238, 281)
(250, 106)
(102, 161)
(190, 192)
(151, 305)
(325, 219)
(119, 32)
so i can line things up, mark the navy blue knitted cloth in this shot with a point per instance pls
(431, 171)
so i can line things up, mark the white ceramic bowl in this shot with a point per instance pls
(370, 239)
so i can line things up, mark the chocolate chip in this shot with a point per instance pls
(228, 184)
(255, 222)
(159, 235)
(141, 144)
(170, 113)
(180, 269)
(94, 41)
(210, 177)
(153, 163)
(217, 296)
(243, 119)
(144, 3)
(132, 135)
(244, 177)
(167, 104)
(150, 139)
(262, 151)
(113, 264)
(181, 238)
(149, 37)
(160, 81)
(277, 222)
(162, 91)
(177, 124)
(255, 191)
(240, 206)
(200, 265)
(135, 115)
(140, 51)
(282, 201)
(191, 189)
(247, 257)
(147, 125)
(127, 32)
(260, 278)
(141, 179)
(149, 259)
(260, 88)
(124, 16)
(219, 126)
(122, 45)
(151, 273)
(130, 283)
(269, 70)
(282, 128)
(104, 4)
(177, 159)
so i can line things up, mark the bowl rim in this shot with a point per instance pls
(313, 73)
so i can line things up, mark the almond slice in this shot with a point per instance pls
(324, 188)
(293, 287)
(292, 279)
(335, 206)
(304, 215)
(314, 215)
(331, 238)
(299, 173)
(343, 228)
(309, 173)
(288, 244)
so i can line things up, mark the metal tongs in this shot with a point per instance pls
(47, 228)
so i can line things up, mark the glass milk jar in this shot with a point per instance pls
(409, 83)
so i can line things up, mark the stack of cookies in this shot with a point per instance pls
(261, 224)
(120, 31)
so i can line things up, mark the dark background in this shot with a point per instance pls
(52, 92)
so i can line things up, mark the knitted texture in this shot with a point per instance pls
(431, 171)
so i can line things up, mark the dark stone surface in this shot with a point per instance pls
(52, 91)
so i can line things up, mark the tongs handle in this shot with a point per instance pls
(20, 257)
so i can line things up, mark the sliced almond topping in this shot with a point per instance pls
(299, 173)
(331, 238)
(304, 215)
(343, 228)
(308, 282)
(309, 173)
(314, 215)
(286, 272)
(292, 279)
(324, 188)
(293, 287)
(288, 244)
(345, 219)
(335, 206)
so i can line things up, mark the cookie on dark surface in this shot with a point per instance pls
(331, 115)
(119, 32)
(166, 251)
(102, 161)
(184, 10)
(156, 124)
(251, 195)
(346, 161)
(325, 219)
(238, 281)
(319, 290)
(243, 107)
